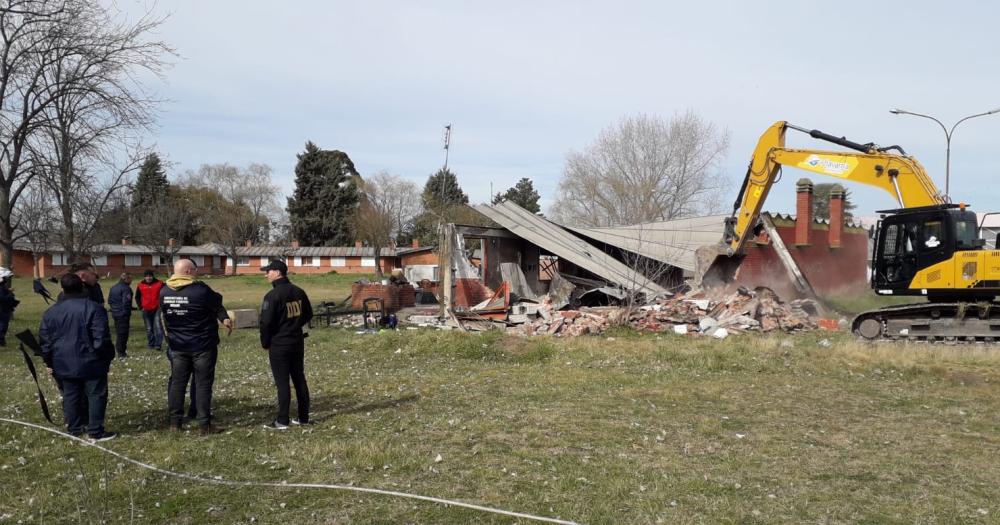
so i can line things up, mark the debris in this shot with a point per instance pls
(694, 312)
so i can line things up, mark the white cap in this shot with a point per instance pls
(5, 273)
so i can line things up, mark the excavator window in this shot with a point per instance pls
(966, 235)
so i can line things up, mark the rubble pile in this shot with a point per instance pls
(691, 313)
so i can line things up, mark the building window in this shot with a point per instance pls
(217, 262)
(243, 260)
(313, 261)
(162, 260)
(99, 260)
(198, 260)
(133, 260)
(368, 261)
(264, 261)
(339, 262)
(59, 259)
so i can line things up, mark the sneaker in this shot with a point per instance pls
(307, 422)
(211, 429)
(103, 436)
(274, 425)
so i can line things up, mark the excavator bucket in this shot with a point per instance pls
(716, 267)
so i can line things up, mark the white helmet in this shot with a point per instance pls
(5, 273)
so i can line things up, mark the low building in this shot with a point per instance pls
(211, 259)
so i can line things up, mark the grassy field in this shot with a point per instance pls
(624, 428)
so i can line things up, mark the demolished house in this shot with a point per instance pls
(536, 276)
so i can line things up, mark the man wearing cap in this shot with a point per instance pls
(283, 314)
(7, 303)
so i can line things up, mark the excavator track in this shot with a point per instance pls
(949, 322)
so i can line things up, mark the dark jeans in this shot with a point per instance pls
(154, 330)
(289, 363)
(4, 324)
(121, 334)
(182, 366)
(85, 397)
(191, 411)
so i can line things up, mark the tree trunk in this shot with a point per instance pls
(6, 228)
(378, 262)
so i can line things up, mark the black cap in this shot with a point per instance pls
(276, 265)
(149, 273)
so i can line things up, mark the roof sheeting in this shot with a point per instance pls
(672, 242)
(557, 240)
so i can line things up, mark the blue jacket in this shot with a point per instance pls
(120, 300)
(7, 300)
(76, 343)
(191, 312)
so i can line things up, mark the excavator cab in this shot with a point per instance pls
(913, 239)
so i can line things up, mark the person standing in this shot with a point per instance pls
(91, 285)
(76, 348)
(7, 303)
(120, 302)
(283, 314)
(191, 313)
(147, 298)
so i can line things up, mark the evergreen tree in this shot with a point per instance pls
(442, 191)
(523, 194)
(151, 186)
(321, 210)
(821, 202)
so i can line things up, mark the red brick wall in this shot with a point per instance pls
(393, 297)
(827, 269)
(352, 265)
(428, 257)
(470, 292)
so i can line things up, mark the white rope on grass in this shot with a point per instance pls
(234, 483)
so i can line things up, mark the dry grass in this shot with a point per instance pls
(623, 429)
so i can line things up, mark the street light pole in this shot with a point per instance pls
(947, 136)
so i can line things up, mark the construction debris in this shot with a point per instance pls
(694, 313)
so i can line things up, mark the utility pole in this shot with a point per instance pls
(447, 144)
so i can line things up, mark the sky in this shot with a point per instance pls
(526, 83)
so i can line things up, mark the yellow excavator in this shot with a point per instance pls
(926, 247)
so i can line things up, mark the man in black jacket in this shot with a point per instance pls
(88, 274)
(191, 313)
(76, 348)
(7, 303)
(120, 302)
(283, 314)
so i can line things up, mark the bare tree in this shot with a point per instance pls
(35, 221)
(163, 228)
(63, 63)
(644, 169)
(387, 204)
(246, 204)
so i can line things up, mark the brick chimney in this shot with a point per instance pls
(126, 241)
(415, 243)
(836, 215)
(295, 244)
(357, 244)
(171, 242)
(248, 243)
(803, 211)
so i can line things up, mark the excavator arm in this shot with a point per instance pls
(899, 175)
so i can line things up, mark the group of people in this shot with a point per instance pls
(183, 312)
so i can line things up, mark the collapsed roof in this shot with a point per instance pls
(555, 239)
